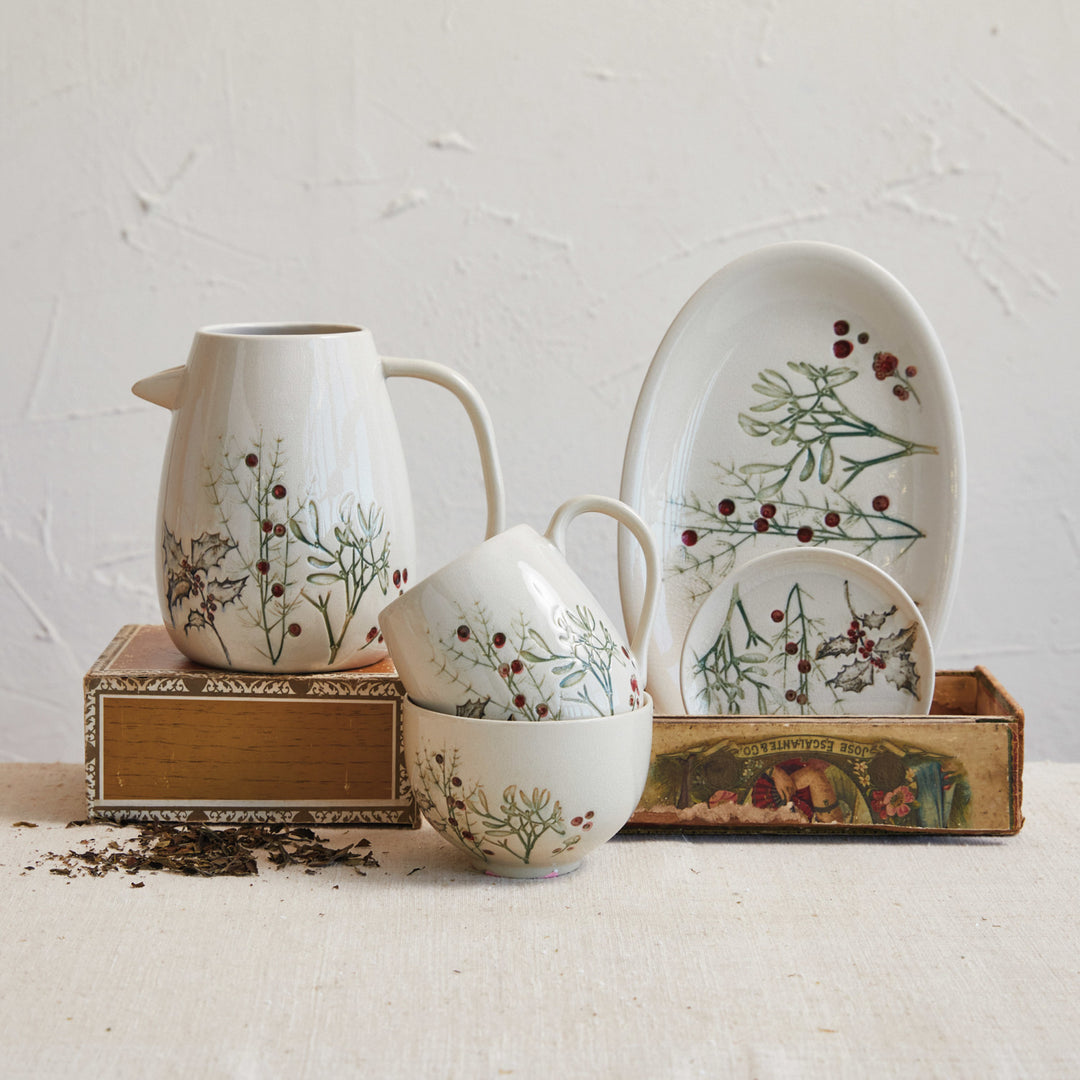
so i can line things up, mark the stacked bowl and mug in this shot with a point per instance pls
(527, 728)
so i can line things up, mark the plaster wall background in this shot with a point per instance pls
(527, 193)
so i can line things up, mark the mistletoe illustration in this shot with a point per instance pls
(586, 649)
(191, 584)
(812, 420)
(465, 814)
(889, 653)
(727, 667)
(360, 559)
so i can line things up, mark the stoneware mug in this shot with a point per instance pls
(284, 519)
(508, 631)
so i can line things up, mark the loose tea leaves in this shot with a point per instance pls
(202, 851)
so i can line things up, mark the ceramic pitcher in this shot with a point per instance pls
(285, 522)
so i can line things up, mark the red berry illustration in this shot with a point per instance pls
(405, 576)
(911, 371)
(541, 711)
(689, 537)
(804, 666)
(504, 670)
(832, 519)
(790, 695)
(519, 701)
(262, 566)
(768, 510)
(901, 392)
(277, 589)
(864, 337)
(841, 327)
(726, 507)
(805, 534)
(251, 460)
(439, 759)
(761, 525)
(456, 781)
(267, 526)
(517, 667)
(294, 629)
(777, 616)
(842, 349)
(499, 640)
(279, 529)
(463, 632)
(373, 633)
(278, 491)
(577, 821)
(880, 503)
(791, 648)
(802, 699)
(397, 579)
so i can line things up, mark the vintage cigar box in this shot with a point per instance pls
(956, 771)
(167, 740)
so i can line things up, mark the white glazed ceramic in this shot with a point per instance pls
(508, 631)
(800, 398)
(527, 800)
(284, 519)
(808, 631)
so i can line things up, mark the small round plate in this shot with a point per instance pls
(810, 632)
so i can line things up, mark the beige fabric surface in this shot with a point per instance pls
(661, 957)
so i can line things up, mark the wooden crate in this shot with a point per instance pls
(167, 740)
(956, 771)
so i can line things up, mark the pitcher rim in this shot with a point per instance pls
(262, 330)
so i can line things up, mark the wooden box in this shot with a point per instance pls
(167, 740)
(956, 771)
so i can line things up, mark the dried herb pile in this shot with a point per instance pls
(202, 851)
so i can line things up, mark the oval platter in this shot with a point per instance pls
(800, 398)
(808, 632)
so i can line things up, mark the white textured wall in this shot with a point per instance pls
(528, 193)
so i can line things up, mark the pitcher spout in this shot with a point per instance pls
(163, 388)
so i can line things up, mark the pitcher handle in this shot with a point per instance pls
(602, 504)
(463, 390)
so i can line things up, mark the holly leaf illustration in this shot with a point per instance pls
(875, 620)
(174, 553)
(854, 678)
(225, 592)
(900, 642)
(196, 621)
(835, 646)
(209, 550)
(900, 671)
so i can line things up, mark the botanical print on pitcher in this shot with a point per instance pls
(272, 556)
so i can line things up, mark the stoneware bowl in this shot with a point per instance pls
(527, 800)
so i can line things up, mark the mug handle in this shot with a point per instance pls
(396, 367)
(602, 504)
